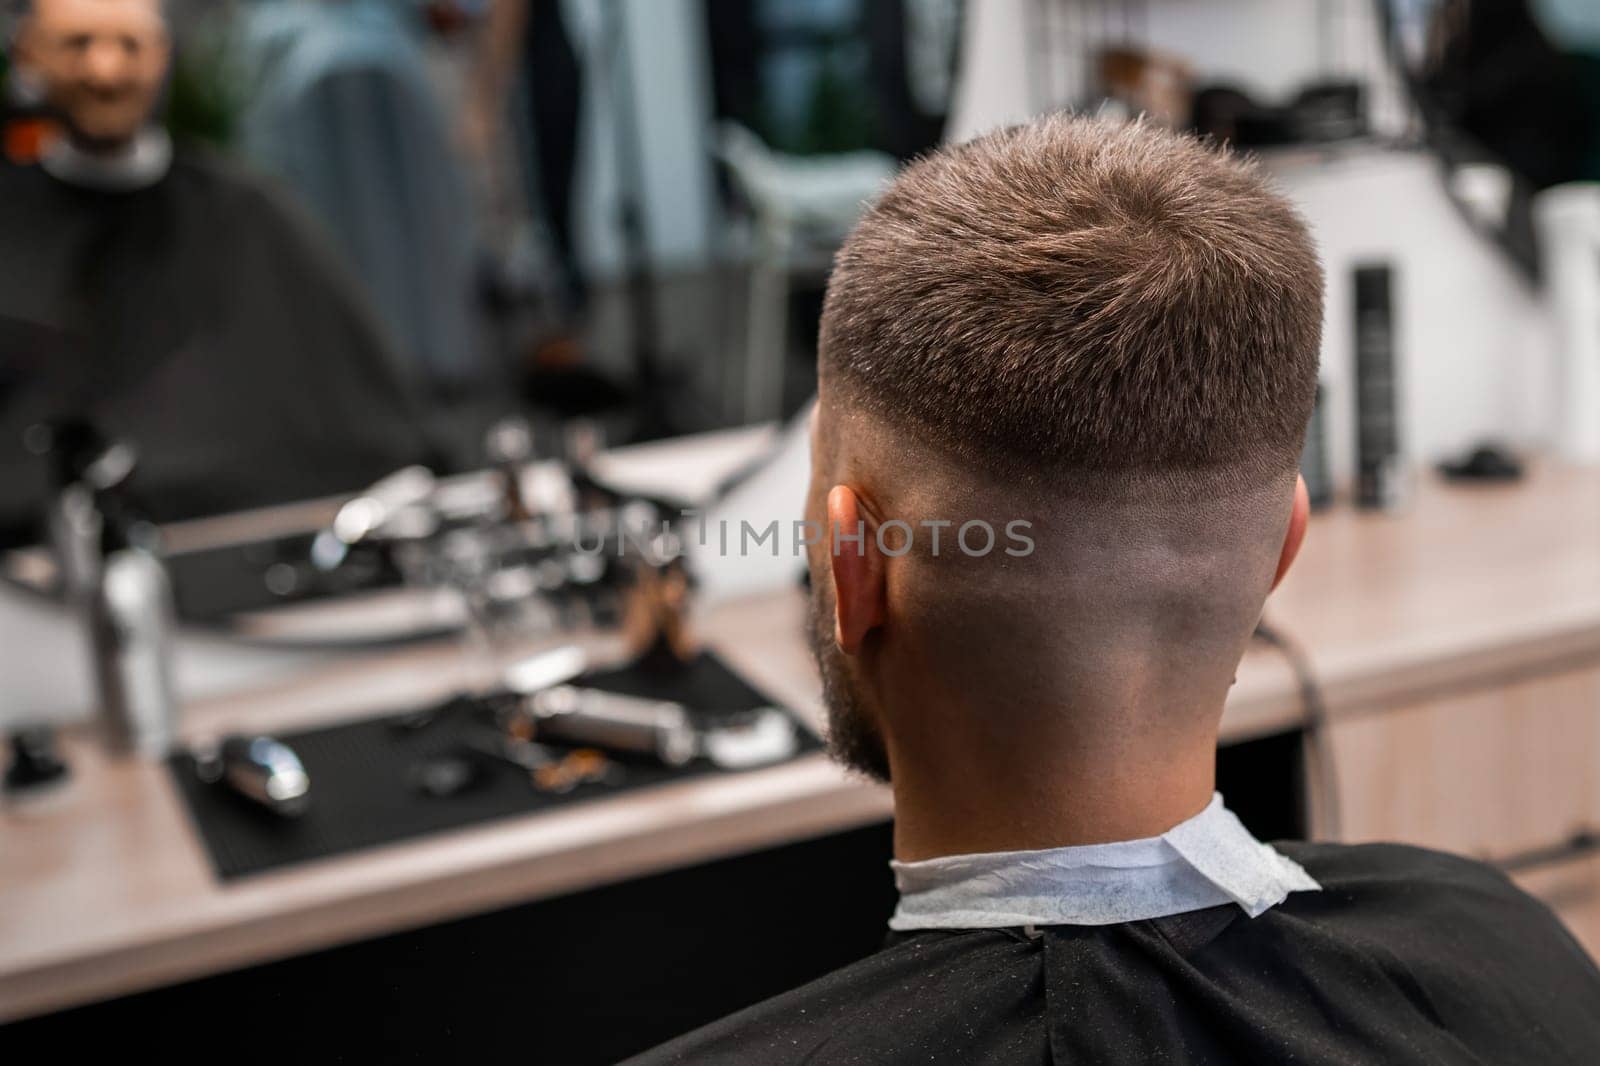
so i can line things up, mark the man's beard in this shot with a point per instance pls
(853, 739)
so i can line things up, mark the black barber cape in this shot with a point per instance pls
(1405, 957)
(202, 319)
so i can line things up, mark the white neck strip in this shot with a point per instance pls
(1208, 860)
(138, 164)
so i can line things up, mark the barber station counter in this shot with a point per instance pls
(1456, 650)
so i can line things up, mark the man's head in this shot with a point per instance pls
(1108, 333)
(101, 64)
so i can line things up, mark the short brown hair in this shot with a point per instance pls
(1078, 293)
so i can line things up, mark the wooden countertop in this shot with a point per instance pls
(104, 889)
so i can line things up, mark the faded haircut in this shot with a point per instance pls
(1081, 294)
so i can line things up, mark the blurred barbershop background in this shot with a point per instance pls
(387, 386)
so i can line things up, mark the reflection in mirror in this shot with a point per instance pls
(283, 248)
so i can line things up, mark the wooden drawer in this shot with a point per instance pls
(1487, 773)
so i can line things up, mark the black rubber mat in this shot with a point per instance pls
(215, 583)
(364, 776)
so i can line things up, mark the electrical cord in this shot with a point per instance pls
(1314, 711)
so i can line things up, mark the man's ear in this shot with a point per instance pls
(1299, 519)
(858, 576)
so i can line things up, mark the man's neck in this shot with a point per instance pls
(1046, 735)
(955, 799)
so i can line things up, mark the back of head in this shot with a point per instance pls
(1108, 331)
(1079, 295)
